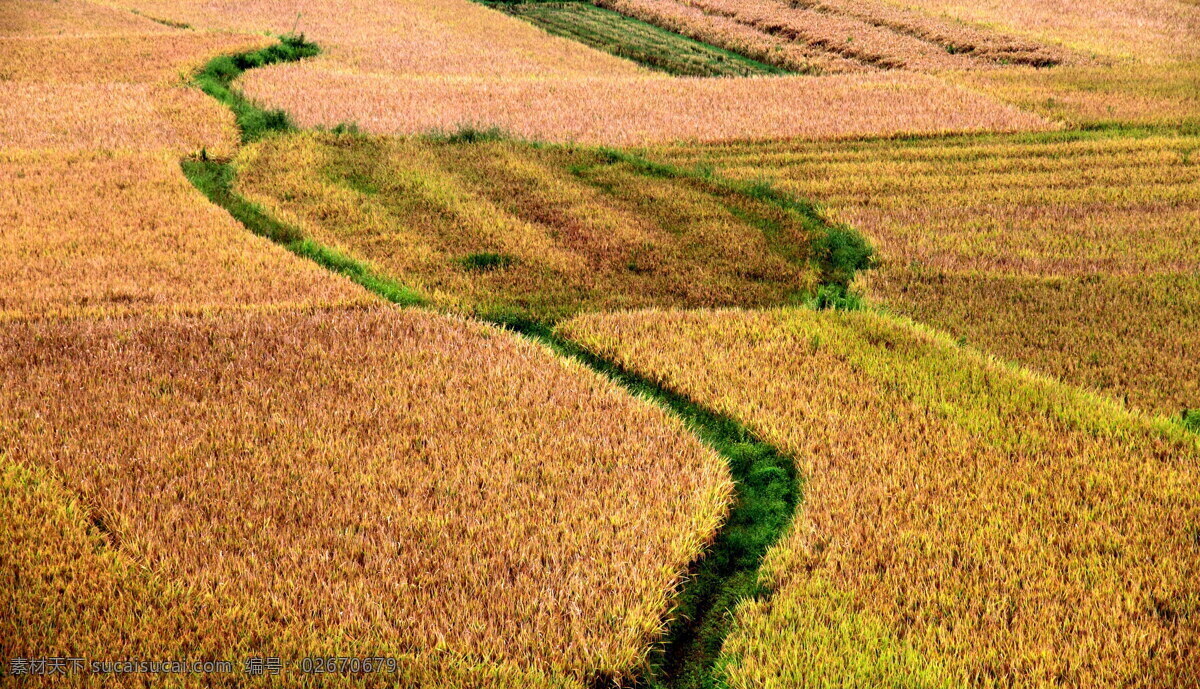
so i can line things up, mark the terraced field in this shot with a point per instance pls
(1073, 254)
(416, 67)
(238, 458)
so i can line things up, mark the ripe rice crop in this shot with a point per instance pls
(965, 523)
(357, 481)
(162, 59)
(1148, 30)
(506, 228)
(430, 37)
(1042, 249)
(396, 68)
(70, 79)
(1141, 94)
(629, 111)
(129, 117)
(837, 35)
(105, 232)
(30, 18)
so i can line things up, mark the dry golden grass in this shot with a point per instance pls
(565, 229)
(964, 523)
(1048, 250)
(361, 480)
(630, 111)
(103, 232)
(838, 35)
(1148, 30)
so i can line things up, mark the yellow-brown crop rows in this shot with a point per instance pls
(1074, 255)
(507, 228)
(965, 523)
(113, 232)
(1163, 94)
(828, 36)
(77, 76)
(400, 68)
(373, 480)
(636, 110)
(1151, 31)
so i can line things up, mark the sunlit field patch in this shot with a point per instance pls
(964, 523)
(501, 228)
(363, 482)
(1075, 255)
(102, 233)
(634, 111)
(829, 36)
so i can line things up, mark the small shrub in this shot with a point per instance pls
(486, 261)
(1190, 419)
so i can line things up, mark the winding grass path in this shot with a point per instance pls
(767, 487)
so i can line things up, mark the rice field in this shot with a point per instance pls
(965, 523)
(158, 245)
(635, 40)
(831, 36)
(1156, 95)
(1150, 31)
(503, 229)
(239, 458)
(635, 111)
(1075, 255)
(708, 447)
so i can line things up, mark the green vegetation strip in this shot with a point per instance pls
(633, 39)
(767, 491)
(838, 251)
(216, 79)
(215, 178)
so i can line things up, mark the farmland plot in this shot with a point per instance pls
(102, 233)
(348, 481)
(632, 39)
(505, 229)
(77, 76)
(828, 36)
(395, 68)
(965, 523)
(1075, 255)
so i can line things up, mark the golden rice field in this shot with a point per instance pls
(1074, 255)
(503, 228)
(965, 523)
(636, 110)
(704, 453)
(371, 480)
(1132, 93)
(102, 232)
(401, 68)
(828, 36)
(1152, 31)
(77, 76)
